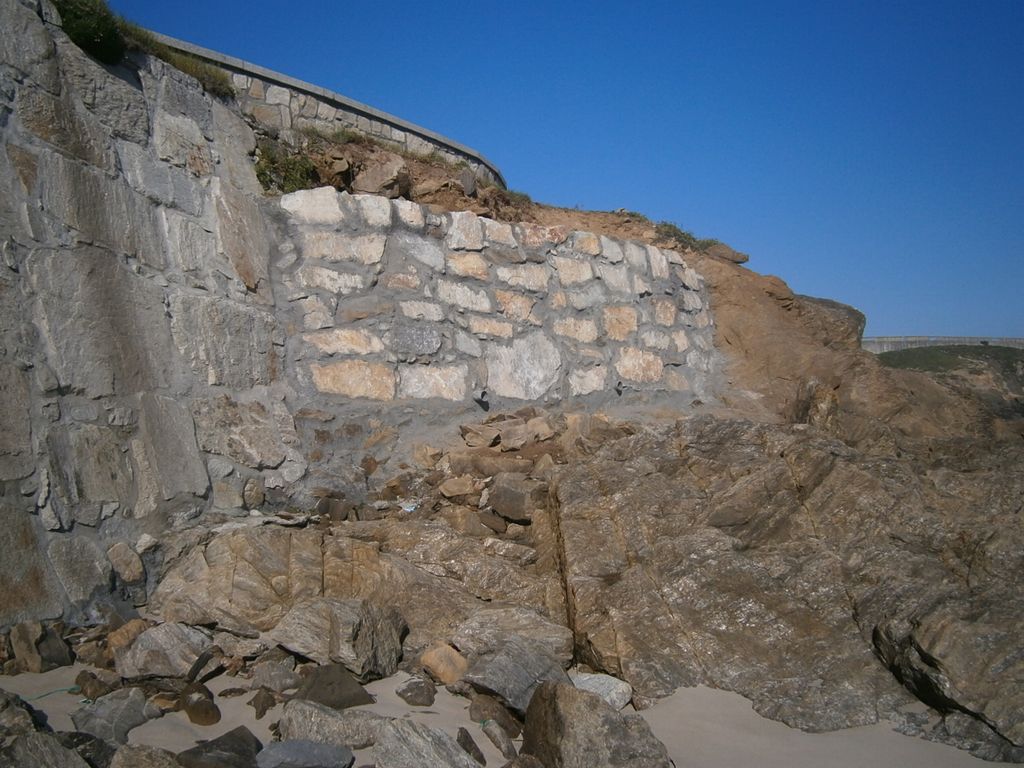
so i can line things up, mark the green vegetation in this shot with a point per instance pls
(281, 171)
(93, 27)
(666, 230)
(98, 31)
(1007, 360)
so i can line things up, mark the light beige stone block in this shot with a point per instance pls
(313, 206)
(639, 365)
(464, 297)
(499, 233)
(664, 311)
(409, 213)
(611, 250)
(467, 264)
(345, 341)
(616, 277)
(655, 339)
(487, 326)
(355, 378)
(328, 245)
(427, 381)
(619, 322)
(514, 305)
(421, 310)
(585, 381)
(311, 276)
(681, 341)
(586, 242)
(532, 277)
(659, 264)
(580, 329)
(375, 210)
(466, 233)
(572, 271)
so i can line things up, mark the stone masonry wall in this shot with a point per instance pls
(281, 102)
(176, 348)
(399, 303)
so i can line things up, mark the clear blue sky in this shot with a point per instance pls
(870, 152)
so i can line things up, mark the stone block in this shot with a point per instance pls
(611, 250)
(616, 278)
(467, 264)
(278, 95)
(540, 236)
(235, 145)
(465, 232)
(659, 264)
(463, 296)
(467, 344)
(345, 341)
(227, 494)
(105, 211)
(677, 380)
(584, 381)
(641, 287)
(691, 280)
(329, 280)
(409, 214)
(619, 322)
(427, 381)
(190, 247)
(57, 121)
(247, 433)
(572, 271)
(167, 442)
(81, 568)
(639, 365)
(524, 370)
(487, 326)
(664, 312)
(592, 295)
(499, 233)
(375, 211)
(636, 256)
(126, 562)
(314, 206)
(586, 242)
(158, 181)
(225, 343)
(532, 277)
(411, 340)
(681, 341)
(655, 339)
(421, 310)
(583, 330)
(316, 313)
(243, 238)
(514, 305)
(179, 141)
(355, 378)
(16, 459)
(425, 250)
(689, 301)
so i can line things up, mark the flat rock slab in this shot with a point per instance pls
(569, 728)
(405, 744)
(333, 686)
(298, 753)
(39, 749)
(616, 693)
(513, 671)
(309, 721)
(111, 717)
(166, 650)
(237, 748)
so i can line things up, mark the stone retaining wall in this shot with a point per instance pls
(399, 303)
(281, 102)
(879, 344)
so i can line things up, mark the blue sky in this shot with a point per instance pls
(869, 152)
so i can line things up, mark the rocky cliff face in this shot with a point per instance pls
(190, 368)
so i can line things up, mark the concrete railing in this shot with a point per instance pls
(878, 344)
(283, 102)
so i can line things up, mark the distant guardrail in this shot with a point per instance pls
(284, 102)
(878, 344)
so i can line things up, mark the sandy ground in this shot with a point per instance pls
(700, 726)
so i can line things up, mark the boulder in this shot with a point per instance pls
(417, 692)
(515, 496)
(142, 756)
(297, 753)
(333, 686)
(237, 748)
(309, 721)
(616, 693)
(444, 663)
(569, 728)
(39, 648)
(465, 740)
(483, 708)
(111, 717)
(16, 717)
(95, 751)
(404, 744)
(360, 634)
(513, 670)
(39, 749)
(499, 738)
(488, 628)
(166, 650)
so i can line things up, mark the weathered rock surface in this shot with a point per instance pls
(237, 748)
(111, 717)
(615, 693)
(39, 749)
(417, 692)
(512, 671)
(166, 650)
(404, 744)
(569, 728)
(293, 753)
(363, 636)
(306, 720)
(333, 686)
(141, 756)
